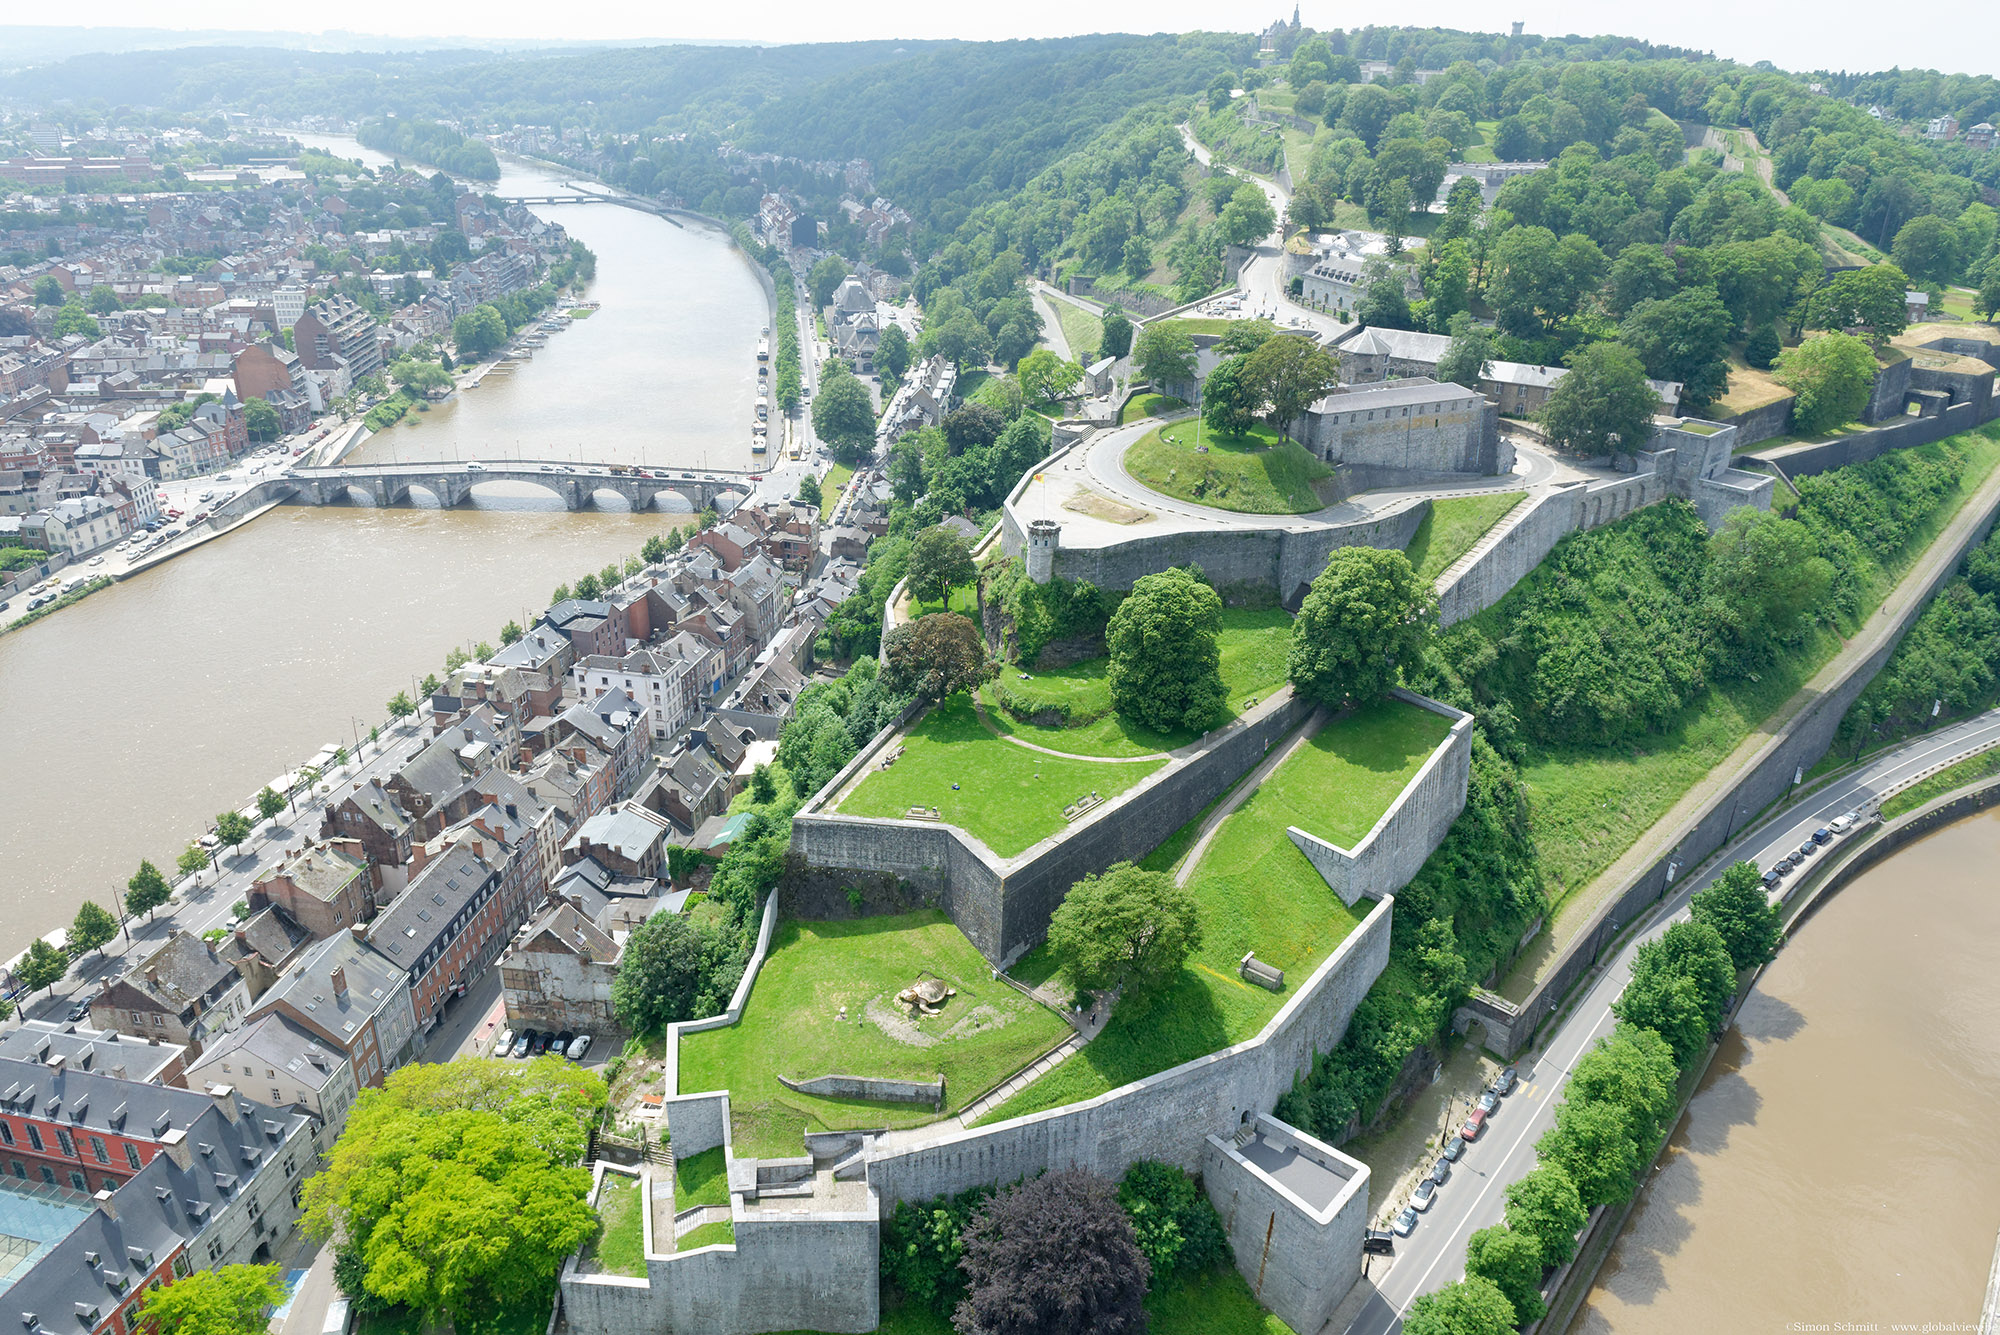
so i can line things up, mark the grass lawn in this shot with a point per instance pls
(1201, 324)
(700, 1179)
(1254, 643)
(1253, 473)
(1749, 388)
(1012, 797)
(964, 600)
(708, 1235)
(1452, 526)
(1257, 892)
(1970, 770)
(1083, 331)
(1148, 405)
(834, 483)
(1218, 1303)
(790, 1027)
(617, 1246)
(582, 312)
(529, 1318)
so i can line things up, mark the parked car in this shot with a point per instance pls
(523, 1042)
(1441, 1171)
(1772, 878)
(1406, 1223)
(580, 1049)
(1844, 822)
(1807, 849)
(475, 467)
(1454, 1147)
(1504, 1083)
(1378, 1242)
(541, 1044)
(560, 1043)
(1822, 835)
(1488, 1101)
(1474, 1124)
(80, 1008)
(506, 1043)
(1426, 1192)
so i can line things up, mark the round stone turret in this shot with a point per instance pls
(1043, 537)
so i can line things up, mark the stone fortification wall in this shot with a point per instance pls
(1410, 830)
(1773, 419)
(1299, 1261)
(1166, 1116)
(700, 1120)
(1962, 386)
(1807, 459)
(1476, 587)
(1885, 401)
(873, 1089)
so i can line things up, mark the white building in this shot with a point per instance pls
(662, 681)
(288, 304)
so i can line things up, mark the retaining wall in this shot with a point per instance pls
(1885, 400)
(1167, 1116)
(1805, 460)
(1773, 419)
(873, 1089)
(1299, 1260)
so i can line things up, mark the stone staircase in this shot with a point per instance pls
(1488, 540)
(1020, 1080)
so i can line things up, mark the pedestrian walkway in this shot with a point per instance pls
(1021, 1079)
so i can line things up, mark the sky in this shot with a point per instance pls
(1954, 35)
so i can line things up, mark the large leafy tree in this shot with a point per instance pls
(892, 353)
(1054, 1255)
(93, 927)
(940, 560)
(1248, 216)
(1764, 579)
(1604, 405)
(1127, 929)
(1165, 354)
(667, 973)
(1684, 337)
(1230, 397)
(1465, 357)
(1365, 614)
(1048, 377)
(231, 1300)
(1740, 911)
(1290, 372)
(461, 1182)
(1117, 340)
(1592, 1143)
(146, 891)
(1543, 1204)
(1632, 1069)
(935, 656)
(1871, 299)
(1470, 1306)
(824, 278)
(43, 966)
(1166, 666)
(1513, 1262)
(1681, 985)
(844, 414)
(1833, 377)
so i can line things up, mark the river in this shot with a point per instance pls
(1832, 1167)
(139, 713)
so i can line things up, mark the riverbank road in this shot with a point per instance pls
(1475, 1197)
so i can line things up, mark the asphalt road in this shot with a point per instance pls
(1434, 1254)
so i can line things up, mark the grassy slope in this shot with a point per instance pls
(1011, 798)
(1452, 526)
(1148, 405)
(1214, 1304)
(618, 1247)
(1257, 892)
(708, 1235)
(1970, 770)
(1254, 473)
(1083, 331)
(790, 1028)
(700, 1179)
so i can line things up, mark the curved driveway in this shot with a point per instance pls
(1434, 1255)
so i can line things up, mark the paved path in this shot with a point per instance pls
(979, 708)
(1021, 1079)
(1245, 786)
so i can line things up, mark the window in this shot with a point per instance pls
(111, 1184)
(137, 1018)
(35, 1137)
(48, 1174)
(132, 1157)
(68, 1145)
(6, 1134)
(277, 1096)
(19, 1170)
(159, 1020)
(182, 1266)
(78, 1180)
(97, 1148)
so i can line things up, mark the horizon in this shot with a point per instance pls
(1729, 32)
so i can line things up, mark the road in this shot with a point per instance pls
(1434, 1255)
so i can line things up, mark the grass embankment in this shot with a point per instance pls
(1191, 325)
(700, 1179)
(834, 483)
(1007, 796)
(1083, 331)
(618, 1248)
(707, 1235)
(1256, 892)
(793, 1026)
(1254, 644)
(1589, 804)
(1452, 526)
(1255, 472)
(1970, 770)
(1149, 405)
(1219, 1303)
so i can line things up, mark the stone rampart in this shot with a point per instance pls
(1167, 1116)
(1804, 460)
(1299, 1256)
(1773, 419)
(1394, 849)
(1885, 400)
(1476, 587)
(870, 1088)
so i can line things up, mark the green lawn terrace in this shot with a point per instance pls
(1258, 893)
(824, 1003)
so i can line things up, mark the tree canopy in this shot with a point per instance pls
(936, 656)
(1054, 1255)
(673, 969)
(1603, 405)
(1126, 929)
(1365, 614)
(1166, 665)
(229, 1300)
(843, 414)
(1833, 377)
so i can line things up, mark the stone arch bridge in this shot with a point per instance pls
(452, 483)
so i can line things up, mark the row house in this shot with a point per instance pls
(446, 927)
(557, 974)
(512, 823)
(664, 684)
(592, 626)
(325, 888)
(627, 840)
(364, 811)
(272, 1054)
(105, 1051)
(183, 992)
(352, 999)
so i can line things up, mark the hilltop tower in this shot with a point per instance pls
(1044, 535)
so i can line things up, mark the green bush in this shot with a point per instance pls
(1059, 610)
(922, 1244)
(1178, 1229)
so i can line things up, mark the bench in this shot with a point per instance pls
(1256, 971)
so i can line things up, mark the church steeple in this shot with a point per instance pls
(1295, 17)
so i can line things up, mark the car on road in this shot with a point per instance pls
(523, 1042)
(1772, 878)
(1806, 850)
(1378, 1242)
(1822, 835)
(1844, 822)
(475, 467)
(1474, 1124)
(1488, 1101)
(1503, 1083)
(1406, 1223)
(580, 1048)
(1426, 1192)
(549, 468)
(1454, 1147)
(96, 561)
(80, 1009)
(1441, 1171)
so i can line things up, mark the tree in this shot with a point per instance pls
(1291, 373)
(667, 973)
(935, 657)
(48, 292)
(1684, 337)
(43, 966)
(478, 332)
(269, 802)
(231, 828)
(1166, 669)
(1230, 400)
(461, 1183)
(1764, 580)
(823, 279)
(892, 353)
(1365, 615)
(843, 415)
(192, 860)
(1989, 288)
(1054, 1255)
(1465, 358)
(146, 891)
(1633, 1070)
(1245, 336)
(1165, 354)
(1603, 405)
(809, 494)
(232, 1300)
(652, 551)
(1513, 1262)
(1926, 250)
(1833, 377)
(683, 860)
(94, 926)
(763, 786)
(1592, 1142)
(511, 632)
(1762, 348)
(1117, 339)
(400, 705)
(588, 587)
(959, 337)
(1741, 913)
(302, 786)
(1543, 1204)
(1870, 299)
(1681, 986)
(261, 420)
(1048, 377)
(940, 561)
(1470, 1306)
(74, 319)
(1127, 929)
(1247, 218)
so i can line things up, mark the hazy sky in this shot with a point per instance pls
(1956, 35)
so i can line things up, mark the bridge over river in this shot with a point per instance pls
(452, 483)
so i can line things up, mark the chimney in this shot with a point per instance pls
(225, 1099)
(360, 931)
(339, 983)
(107, 1202)
(174, 1142)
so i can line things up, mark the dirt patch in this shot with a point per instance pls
(1103, 507)
(977, 1021)
(897, 1025)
